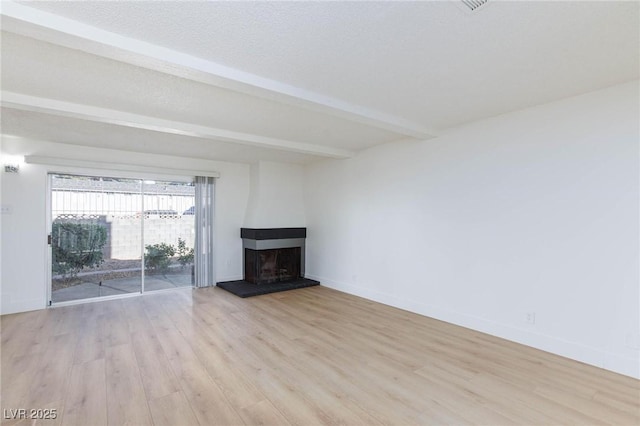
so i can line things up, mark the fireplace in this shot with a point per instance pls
(273, 255)
(273, 261)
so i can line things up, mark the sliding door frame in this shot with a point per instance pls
(48, 265)
(82, 172)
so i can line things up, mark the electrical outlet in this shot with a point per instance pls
(6, 209)
(530, 317)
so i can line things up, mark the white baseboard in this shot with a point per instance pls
(15, 306)
(573, 350)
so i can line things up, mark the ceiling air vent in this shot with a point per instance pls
(474, 4)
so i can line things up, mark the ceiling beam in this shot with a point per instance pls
(29, 103)
(51, 28)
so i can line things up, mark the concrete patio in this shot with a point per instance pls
(88, 290)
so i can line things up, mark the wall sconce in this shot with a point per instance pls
(12, 163)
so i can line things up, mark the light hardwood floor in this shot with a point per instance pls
(309, 356)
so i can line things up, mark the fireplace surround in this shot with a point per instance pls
(273, 254)
(273, 261)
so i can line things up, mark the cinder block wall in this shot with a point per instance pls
(124, 236)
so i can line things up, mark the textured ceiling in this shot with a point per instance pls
(432, 64)
(93, 80)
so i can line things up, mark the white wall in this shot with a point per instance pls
(23, 262)
(276, 197)
(532, 211)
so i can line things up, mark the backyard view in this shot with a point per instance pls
(116, 236)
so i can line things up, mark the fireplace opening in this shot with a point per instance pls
(272, 265)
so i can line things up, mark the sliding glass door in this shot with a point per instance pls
(113, 236)
(95, 237)
(168, 234)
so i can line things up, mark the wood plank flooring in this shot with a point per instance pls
(303, 357)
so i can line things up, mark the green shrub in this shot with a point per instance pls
(75, 246)
(157, 257)
(185, 255)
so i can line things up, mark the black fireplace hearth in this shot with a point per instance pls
(246, 289)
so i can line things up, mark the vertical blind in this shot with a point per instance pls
(204, 247)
